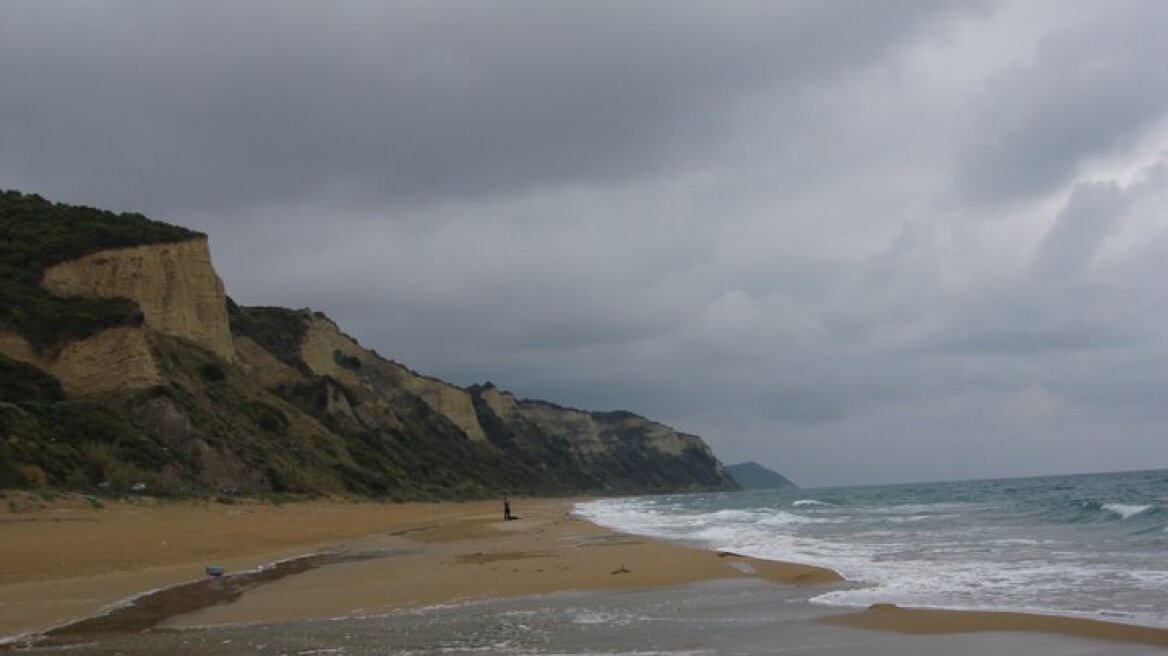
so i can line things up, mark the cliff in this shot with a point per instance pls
(328, 352)
(114, 359)
(123, 362)
(497, 441)
(174, 284)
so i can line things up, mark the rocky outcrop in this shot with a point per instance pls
(502, 404)
(651, 434)
(264, 367)
(174, 283)
(449, 401)
(329, 352)
(549, 447)
(114, 360)
(18, 348)
(593, 433)
(577, 427)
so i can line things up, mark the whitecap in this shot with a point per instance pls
(1126, 510)
(779, 518)
(802, 503)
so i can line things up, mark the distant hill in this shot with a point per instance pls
(753, 476)
(125, 367)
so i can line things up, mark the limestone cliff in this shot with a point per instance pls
(502, 404)
(265, 368)
(116, 359)
(173, 283)
(531, 446)
(329, 352)
(578, 427)
(617, 451)
(624, 451)
(123, 362)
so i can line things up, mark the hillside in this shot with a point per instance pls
(123, 364)
(753, 476)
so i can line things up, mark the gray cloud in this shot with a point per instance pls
(1090, 90)
(1080, 229)
(219, 105)
(857, 241)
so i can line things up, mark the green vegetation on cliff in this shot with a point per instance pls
(36, 234)
(352, 422)
(279, 330)
(49, 440)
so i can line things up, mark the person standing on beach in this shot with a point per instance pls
(506, 509)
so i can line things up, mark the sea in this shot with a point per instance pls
(1092, 545)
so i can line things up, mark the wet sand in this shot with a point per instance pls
(914, 621)
(68, 561)
(480, 557)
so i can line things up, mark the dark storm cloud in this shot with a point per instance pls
(859, 241)
(175, 106)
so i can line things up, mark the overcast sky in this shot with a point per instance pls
(854, 241)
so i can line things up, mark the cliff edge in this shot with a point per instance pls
(124, 366)
(174, 284)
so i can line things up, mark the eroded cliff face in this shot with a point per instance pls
(112, 360)
(329, 352)
(594, 433)
(175, 285)
(577, 427)
(203, 395)
(324, 349)
(264, 367)
(574, 450)
(116, 359)
(502, 404)
(449, 401)
(622, 451)
(653, 435)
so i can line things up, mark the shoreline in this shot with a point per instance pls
(412, 556)
(936, 621)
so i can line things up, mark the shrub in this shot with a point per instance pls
(279, 330)
(347, 361)
(212, 372)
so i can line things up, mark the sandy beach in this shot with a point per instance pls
(69, 560)
(66, 560)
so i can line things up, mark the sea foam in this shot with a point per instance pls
(1043, 544)
(1126, 510)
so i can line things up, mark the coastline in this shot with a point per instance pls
(928, 621)
(69, 561)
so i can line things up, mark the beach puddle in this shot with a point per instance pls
(145, 613)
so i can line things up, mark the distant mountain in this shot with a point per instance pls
(124, 366)
(753, 476)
